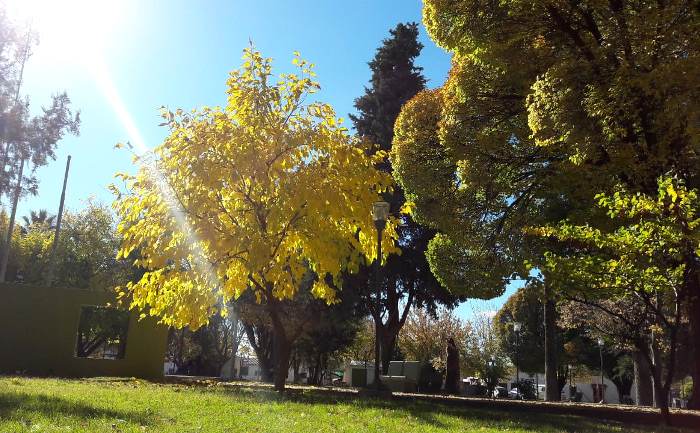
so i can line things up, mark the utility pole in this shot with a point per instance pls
(59, 218)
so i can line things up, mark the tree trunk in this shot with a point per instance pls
(388, 341)
(562, 377)
(282, 346)
(550, 349)
(282, 355)
(452, 373)
(693, 290)
(661, 396)
(642, 381)
(260, 344)
(11, 226)
(295, 366)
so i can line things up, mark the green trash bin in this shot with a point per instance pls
(358, 377)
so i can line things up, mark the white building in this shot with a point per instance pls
(242, 368)
(588, 386)
(368, 368)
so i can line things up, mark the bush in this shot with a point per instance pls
(687, 388)
(430, 380)
(527, 389)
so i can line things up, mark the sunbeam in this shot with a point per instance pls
(100, 73)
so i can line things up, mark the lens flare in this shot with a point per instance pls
(106, 85)
(69, 29)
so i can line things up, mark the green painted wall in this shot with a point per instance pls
(38, 328)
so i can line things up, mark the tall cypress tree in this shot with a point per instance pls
(406, 278)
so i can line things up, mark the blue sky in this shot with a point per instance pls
(178, 54)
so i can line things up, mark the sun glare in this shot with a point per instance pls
(72, 29)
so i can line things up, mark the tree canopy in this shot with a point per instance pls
(250, 196)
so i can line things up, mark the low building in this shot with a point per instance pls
(588, 387)
(74, 333)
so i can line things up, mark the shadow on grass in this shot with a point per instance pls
(431, 413)
(21, 406)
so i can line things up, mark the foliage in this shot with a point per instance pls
(526, 389)
(406, 277)
(41, 217)
(205, 351)
(362, 347)
(482, 356)
(525, 307)
(430, 379)
(298, 197)
(24, 137)
(546, 105)
(395, 79)
(85, 254)
(325, 338)
(424, 336)
(101, 326)
(644, 254)
(634, 275)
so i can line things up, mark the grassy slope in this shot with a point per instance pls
(100, 405)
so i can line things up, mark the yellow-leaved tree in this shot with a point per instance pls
(250, 197)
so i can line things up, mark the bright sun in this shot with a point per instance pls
(77, 29)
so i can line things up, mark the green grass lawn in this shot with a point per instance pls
(104, 405)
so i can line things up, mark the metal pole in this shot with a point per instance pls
(602, 386)
(517, 360)
(52, 258)
(377, 285)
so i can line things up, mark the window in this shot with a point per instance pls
(102, 333)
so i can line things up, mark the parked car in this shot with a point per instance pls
(500, 392)
(515, 394)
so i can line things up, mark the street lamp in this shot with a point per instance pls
(380, 213)
(516, 328)
(602, 386)
(489, 376)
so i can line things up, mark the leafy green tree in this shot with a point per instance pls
(424, 336)
(328, 334)
(483, 356)
(525, 307)
(26, 141)
(575, 328)
(41, 218)
(362, 347)
(579, 98)
(205, 351)
(86, 254)
(642, 257)
(406, 277)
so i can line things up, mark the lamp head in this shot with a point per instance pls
(380, 211)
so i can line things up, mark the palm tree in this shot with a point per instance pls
(39, 218)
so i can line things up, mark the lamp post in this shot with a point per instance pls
(489, 377)
(517, 326)
(602, 386)
(380, 213)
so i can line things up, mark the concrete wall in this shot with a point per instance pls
(38, 328)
